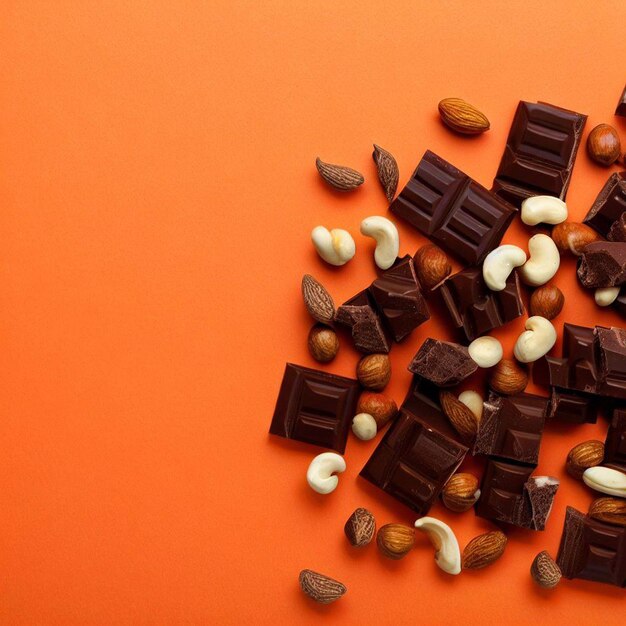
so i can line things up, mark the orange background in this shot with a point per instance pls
(157, 189)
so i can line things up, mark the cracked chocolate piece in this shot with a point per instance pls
(603, 264)
(539, 497)
(368, 333)
(621, 105)
(615, 444)
(443, 363)
(609, 206)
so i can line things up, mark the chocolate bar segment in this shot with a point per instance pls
(574, 408)
(443, 363)
(615, 444)
(413, 462)
(608, 207)
(621, 105)
(610, 345)
(540, 152)
(368, 333)
(539, 494)
(456, 212)
(603, 264)
(474, 307)
(315, 407)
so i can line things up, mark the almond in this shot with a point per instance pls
(381, 407)
(339, 176)
(462, 117)
(431, 265)
(388, 173)
(609, 510)
(360, 527)
(374, 371)
(547, 301)
(573, 237)
(320, 587)
(484, 550)
(318, 301)
(508, 378)
(544, 571)
(583, 456)
(460, 415)
(395, 541)
(461, 492)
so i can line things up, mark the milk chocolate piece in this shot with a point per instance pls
(610, 346)
(453, 210)
(444, 363)
(315, 407)
(615, 444)
(609, 206)
(540, 152)
(603, 264)
(474, 307)
(368, 333)
(574, 408)
(592, 550)
(621, 105)
(511, 427)
(413, 462)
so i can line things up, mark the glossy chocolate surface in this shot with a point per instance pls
(615, 444)
(572, 407)
(620, 109)
(609, 206)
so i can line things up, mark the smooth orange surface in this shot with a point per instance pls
(157, 189)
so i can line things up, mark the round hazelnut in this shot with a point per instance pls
(374, 371)
(323, 343)
(508, 377)
(573, 237)
(381, 407)
(603, 145)
(461, 492)
(547, 301)
(431, 265)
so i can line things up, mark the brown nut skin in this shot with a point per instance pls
(583, 456)
(395, 541)
(484, 550)
(609, 510)
(431, 265)
(508, 378)
(320, 587)
(462, 117)
(547, 301)
(461, 492)
(360, 527)
(603, 145)
(374, 371)
(573, 237)
(460, 415)
(323, 343)
(544, 571)
(381, 407)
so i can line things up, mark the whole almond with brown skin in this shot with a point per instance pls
(603, 145)
(388, 173)
(339, 176)
(381, 407)
(321, 588)
(460, 415)
(609, 510)
(508, 377)
(431, 265)
(374, 371)
(360, 527)
(323, 343)
(395, 540)
(461, 492)
(484, 550)
(544, 571)
(583, 456)
(462, 117)
(573, 237)
(547, 301)
(319, 303)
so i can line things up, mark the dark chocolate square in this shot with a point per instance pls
(574, 408)
(443, 363)
(609, 206)
(615, 444)
(315, 407)
(610, 345)
(621, 105)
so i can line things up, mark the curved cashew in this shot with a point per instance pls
(499, 263)
(364, 426)
(473, 401)
(606, 480)
(485, 351)
(536, 340)
(335, 246)
(543, 210)
(385, 233)
(543, 263)
(605, 296)
(447, 551)
(320, 473)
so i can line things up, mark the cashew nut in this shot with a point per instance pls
(364, 426)
(499, 263)
(605, 296)
(485, 351)
(536, 340)
(385, 233)
(447, 551)
(335, 246)
(606, 480)
(543, 210)
(473, 401)
(320, 473)
(543, 262)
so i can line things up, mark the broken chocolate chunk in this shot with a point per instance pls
(603, 264)
(443, 363)
(368, 333)
(615, 444)
(609, 206)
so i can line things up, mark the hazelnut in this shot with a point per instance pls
(583, 456)
(508, 377)
(547, 301)
(374, 371)
(323, 343)
(395, 540)
(381, 407)
(603, 145)
(431, 265)
(461, 492)
(573, 237)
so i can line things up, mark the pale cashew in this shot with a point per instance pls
(543, 262)
(447, 551)
(485, 351)
(605, 296)
(335, 246)
(606, 480)
(499, 263)
(536, 340)
(320, 473)
(364, 426)
(385, 233)
(473, 401)
(543, 210)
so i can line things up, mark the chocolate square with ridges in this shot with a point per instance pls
(609, 206)
(610, 346)
(315, 407)
(615, 444)
(574, 408)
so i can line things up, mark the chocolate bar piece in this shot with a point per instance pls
(315, 407)
(609, 207)
(592, 550)
(620, 303)
(368, 333)
(621, 105)
(413, 462)
(610, 346)
(540, 492)
(603, 264)
(540, 152)
(444, 363)
(453, 210)
(575, 408)
(399, 299)
(474, 307)
(511, 427)
(615, 444)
